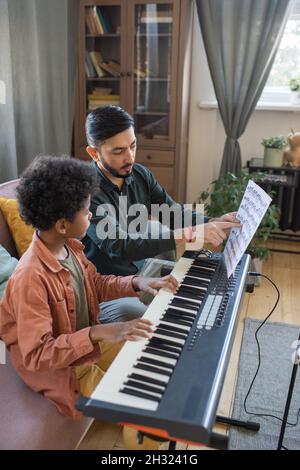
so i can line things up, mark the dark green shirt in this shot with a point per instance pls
(82, 311)
(125, 253)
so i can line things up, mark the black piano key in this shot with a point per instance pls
(171, 334)
(191, 291)
(153, 369)
(136, 393)
(154, 362)
(160, 353)
(173, 328)
(189, 296)
(143, 386)
(146, 379)
(164, 347)
(198, 272)
(189, 277)
(176, 321)
(181, 314)
(168, 342)
(185, 303)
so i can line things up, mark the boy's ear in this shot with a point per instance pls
(61, 226)
(92, 153)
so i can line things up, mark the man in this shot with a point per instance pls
(112, 146)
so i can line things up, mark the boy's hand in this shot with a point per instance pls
(132, 330)
(152, 284)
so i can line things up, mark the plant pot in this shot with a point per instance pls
(273, 157)
(295, 97)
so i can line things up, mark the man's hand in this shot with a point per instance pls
(216, 232)
(152, 284)
(132, 330)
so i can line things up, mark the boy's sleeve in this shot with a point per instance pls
(110, 287)
(31, 312)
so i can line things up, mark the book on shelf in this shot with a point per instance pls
(104, 20)
(93, 106)
(113, 68)
(89, 67)
(97, 60)
(100, 97)
(102, 90)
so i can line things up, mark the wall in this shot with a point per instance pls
(206, 134)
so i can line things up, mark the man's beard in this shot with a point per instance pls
(111, 170)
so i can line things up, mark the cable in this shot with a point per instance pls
(255, 274)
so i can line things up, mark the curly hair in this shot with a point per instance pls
(52, 188)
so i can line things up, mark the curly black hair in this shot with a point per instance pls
(52, 188)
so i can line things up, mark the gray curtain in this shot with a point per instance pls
(241, 38)
(38, 60)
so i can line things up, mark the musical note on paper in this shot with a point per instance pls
(252, 209)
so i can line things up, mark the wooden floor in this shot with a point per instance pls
(284, 270)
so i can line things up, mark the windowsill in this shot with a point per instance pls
(264, 106)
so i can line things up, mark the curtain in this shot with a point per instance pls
(38, 61)
(241, 38)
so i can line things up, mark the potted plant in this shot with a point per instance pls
(294, 85)
(273, 150)
(225, 195)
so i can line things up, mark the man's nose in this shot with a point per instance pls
(130, 155)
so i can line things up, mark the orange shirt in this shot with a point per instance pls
(38, 321)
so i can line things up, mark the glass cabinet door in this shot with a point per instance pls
(154, 71)
(103, 54)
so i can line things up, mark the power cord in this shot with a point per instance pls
(255, 274)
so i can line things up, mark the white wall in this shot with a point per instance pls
(206, 134)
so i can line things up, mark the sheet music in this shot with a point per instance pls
(252, 209)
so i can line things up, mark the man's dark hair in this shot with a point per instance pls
(105, 122)
(52, 188)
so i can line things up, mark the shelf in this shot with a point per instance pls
(145, 35)
(149, 79)
(151, 113)
(106, 35)
(98, 79)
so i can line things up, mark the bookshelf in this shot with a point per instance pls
(137, 54)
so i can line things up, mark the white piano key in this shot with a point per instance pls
(197, 288)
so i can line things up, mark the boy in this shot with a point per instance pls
(48, 316)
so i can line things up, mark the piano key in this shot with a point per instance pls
(194, 287)
(136, 393)
(162, 358)
(184, 298)
(148, 379)
(153, 369)
(155, 362)
(136, 384)
(160, 353)
(177, 321)
(187, 310)
(160, 345)
(195, 279)
(147, 373)
(179, 329)
(169, 339)
(161, 340)
(170, 334)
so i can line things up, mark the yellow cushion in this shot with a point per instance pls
(21, 233)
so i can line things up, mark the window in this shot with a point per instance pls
(287, 62)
